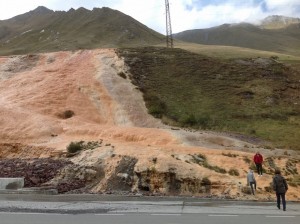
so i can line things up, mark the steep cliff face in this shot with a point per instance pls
(49, 100)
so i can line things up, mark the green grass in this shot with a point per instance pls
(191, 90)
(231, 52)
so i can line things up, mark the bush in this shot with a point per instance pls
(234, 172)
(229, 154)
(122, 74)
(74, 147)
(214, 168)
(189, 120)
(204, 121)
(246, 190)
(156, 111)
(199, 159)
(274, 57)
(247, 160)
(156, 107)
(202, 161)
(205, 181)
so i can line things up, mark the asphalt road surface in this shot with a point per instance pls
(31, 218)
(92, 209)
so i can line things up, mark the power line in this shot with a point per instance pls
(168, 26)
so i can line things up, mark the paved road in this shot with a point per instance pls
(31, 218)
(90, 209)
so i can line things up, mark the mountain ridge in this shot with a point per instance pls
(43, 30)
(282, 40)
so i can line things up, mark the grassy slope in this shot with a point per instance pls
(189, 89)
(284, 41)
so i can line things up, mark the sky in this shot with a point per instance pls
(185, 14)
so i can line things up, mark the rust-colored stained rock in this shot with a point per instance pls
(49, 100)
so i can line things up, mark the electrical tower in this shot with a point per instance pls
(168, 25)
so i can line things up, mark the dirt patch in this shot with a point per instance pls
(18, 150)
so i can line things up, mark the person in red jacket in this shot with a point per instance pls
(258, 160)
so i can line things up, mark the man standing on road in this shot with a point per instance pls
(251, 181)
(258, 160)
(280, 187)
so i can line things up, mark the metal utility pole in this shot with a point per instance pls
(168, 25)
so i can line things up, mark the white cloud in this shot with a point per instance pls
(185, 14)
(283, 7)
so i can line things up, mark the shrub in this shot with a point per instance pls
(234, 172)
(189, 120)
(122, 74)
(214, 168)
(269, 188)
(205, 181)
(74, 147)
(274, 57)
(246, 190)
(204, 121)
(229, 154)
(156, 111)
(155, 106)
(202, 161)
(199, 159)
(247, 160)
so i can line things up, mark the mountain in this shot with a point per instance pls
(278, 22)
(44, 30)
(284, 39)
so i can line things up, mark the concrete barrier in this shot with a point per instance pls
(11, 183)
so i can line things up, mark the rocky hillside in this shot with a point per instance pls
(44, 30)
(87, 98)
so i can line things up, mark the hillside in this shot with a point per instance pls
(44, 30)
(257, 97)
(284, 39)
(87, 97)
(141, 120)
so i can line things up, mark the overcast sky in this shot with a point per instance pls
(185, 14)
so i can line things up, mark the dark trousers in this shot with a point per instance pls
(259, 168)
(282, 196)
(253, 186)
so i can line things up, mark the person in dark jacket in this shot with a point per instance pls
(258, 160)
(280, 187)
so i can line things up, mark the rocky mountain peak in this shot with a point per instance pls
(278, 22)
(41, 10)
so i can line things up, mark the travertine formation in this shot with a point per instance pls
(49, 100)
